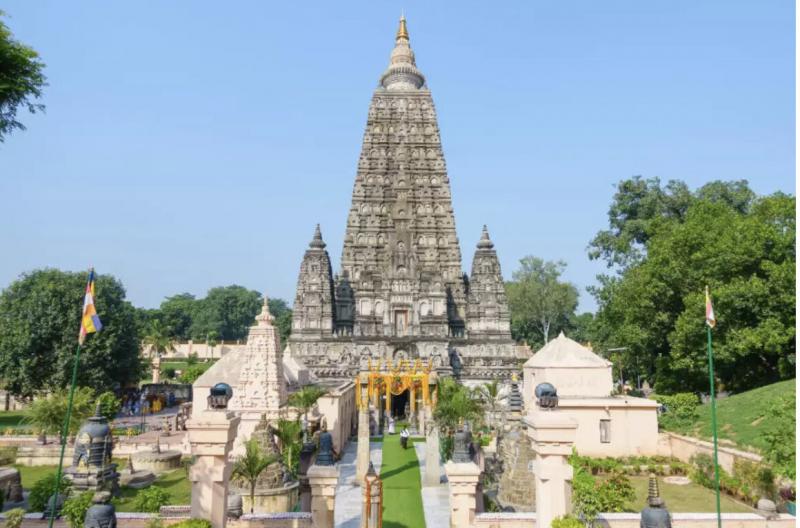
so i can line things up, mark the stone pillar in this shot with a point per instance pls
(552, 436)
(323, 480)
(362, 453)
(463, 480)
(306, 456)
(156, 368)
(372, 508)
(432, 472)
(211, 436)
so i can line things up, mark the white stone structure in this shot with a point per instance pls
(256, 375)
(608, 425)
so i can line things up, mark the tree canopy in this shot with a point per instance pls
(21, 80)
(39, 320)
(667, 244)
(540, 303)
(225, 313)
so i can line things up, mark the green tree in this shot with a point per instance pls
(540, 303)
(283, 317)
(229, 310)
(21, 80)
(306, 398)
(159, 338)
(744, 249)
(288, 433)
(39, 320)
(177, 313)
(251, 465)
(47, 414)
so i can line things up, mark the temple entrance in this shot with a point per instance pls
(399, 403)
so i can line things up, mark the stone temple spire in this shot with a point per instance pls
(402, 73)
(316, 241)
(485, 242)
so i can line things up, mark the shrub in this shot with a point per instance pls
(8, 455)
(191, 374)
(780, 437)
(109, 405)
(43, 489)
(151, 499)
(192, 359)
(758, 478)
(567, 521)
(14, 518)
(169, 373)
(680, 410)
(703, 470)
(192, 523)
(75, 508)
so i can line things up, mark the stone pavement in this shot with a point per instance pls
(347, 512)
(435, 499)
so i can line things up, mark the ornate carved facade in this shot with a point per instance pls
(402, 292)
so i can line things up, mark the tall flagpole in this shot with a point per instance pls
(64, 433)
(713, 418)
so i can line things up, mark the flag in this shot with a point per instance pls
(711, 320)
(90, 322)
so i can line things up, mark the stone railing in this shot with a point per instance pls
(685, 447)
(141, 520)
(632, 520)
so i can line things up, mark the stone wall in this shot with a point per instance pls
(685, 447)
(338, 408)
(202, 350)
(631, 520)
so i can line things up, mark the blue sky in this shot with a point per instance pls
(191, 144)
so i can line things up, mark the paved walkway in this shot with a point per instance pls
(347, 512)
(435, 499)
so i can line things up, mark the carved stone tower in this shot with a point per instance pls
(402, 292)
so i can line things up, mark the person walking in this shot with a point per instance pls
(404, 434)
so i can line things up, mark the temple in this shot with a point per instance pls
(401, 292)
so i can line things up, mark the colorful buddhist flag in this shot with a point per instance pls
(90, 322)
(711, 320)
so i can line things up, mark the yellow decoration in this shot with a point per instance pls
(395, 379)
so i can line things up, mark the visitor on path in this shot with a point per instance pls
(391, 425)
(404, 434)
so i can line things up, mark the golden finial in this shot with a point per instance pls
(402, 31)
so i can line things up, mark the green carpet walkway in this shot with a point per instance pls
(402, 498)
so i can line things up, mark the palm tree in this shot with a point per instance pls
(490, 395)
(158, 338)
(305, 398)
(288, 433)
(251, 465)
(456, 404)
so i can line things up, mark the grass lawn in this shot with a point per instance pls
(402, 498)
(688, 498)
(11, 419)
(176, 483)
(30, 474)
(740, 417)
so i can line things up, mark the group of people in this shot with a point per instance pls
(136, 403)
